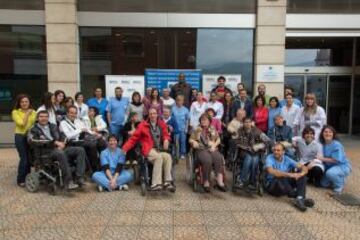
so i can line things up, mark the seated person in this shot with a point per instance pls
(154, 138)
(76, 132)
(337, 165)
(282, 180)
(233, 128)
(309, 150)
(95, 122)
(113, 175)
(250, 141)
(215, 122)
(205, 140)
(283, 134)
(171, 123)
(44, 130)
(127, 131)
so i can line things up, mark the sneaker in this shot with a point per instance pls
(300, 204)
(156, 187)
(239, 184)
(80, 181)
(127, 162)
(251, 187)
(169, 186)
(309, 202)
(134, 162)
(221, 188)
(21, 184)
(124, 187)
(100, 188)
(182, 157)
(72, 186)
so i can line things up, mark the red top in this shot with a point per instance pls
(216, 124)
(142, 135)
(261, 116)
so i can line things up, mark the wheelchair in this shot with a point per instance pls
(236, 166)
(143, 173)
(46, 170)
(193, 173)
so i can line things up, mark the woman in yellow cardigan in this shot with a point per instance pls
(24, 117)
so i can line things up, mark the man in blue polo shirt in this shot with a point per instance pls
(116, 112)
(99, 102)
(286, 177)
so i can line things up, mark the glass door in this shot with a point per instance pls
(297, 83)
(317, 84)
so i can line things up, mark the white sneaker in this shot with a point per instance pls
(100, 188)
(124, 187)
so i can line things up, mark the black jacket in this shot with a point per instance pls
(36, 133)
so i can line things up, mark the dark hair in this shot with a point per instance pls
(96, 110)
(242, 84)
(46, 100)
(42, 112)
(152, 92)
(321, 137)
(306, 130)
(204, 115)
(133, 97)
(289, 88)
(21, 97)
(57, 92)
(96, 88)
(247, 118)
(289, 94)
(211, 110)
(259, 97)
(78, 94)
(276, 100)
(280, 144)
(67, 99)
(221, 78)
(112, 136)
(70, 107)
(117, 88)
(243, 90)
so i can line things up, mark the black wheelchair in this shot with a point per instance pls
(236, 166)
(46, 170)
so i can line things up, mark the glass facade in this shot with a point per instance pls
(356, 108)
(131, 50)
(183, 6)
(22, 4)
(318, 51)
(323, 6)
(22, 65)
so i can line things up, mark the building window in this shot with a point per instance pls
(22, 65)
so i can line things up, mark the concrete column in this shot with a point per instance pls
(62, 44)
(270, 46)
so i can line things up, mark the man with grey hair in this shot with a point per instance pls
(167, 100)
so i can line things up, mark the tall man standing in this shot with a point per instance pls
(182, 88)
(116, 112)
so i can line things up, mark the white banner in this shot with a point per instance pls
(128, 83)
(210, 81)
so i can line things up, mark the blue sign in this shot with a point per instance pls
(166, 78)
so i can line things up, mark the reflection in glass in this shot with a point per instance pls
(22, 65)
(356, 106)
(317, 84)
(296, 82)
(22, 4)
(323, 6)
(226, 51)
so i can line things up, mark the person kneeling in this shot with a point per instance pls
(154, 138)
(113, 175)
(281, 180)
(205, 140)
(43, 130)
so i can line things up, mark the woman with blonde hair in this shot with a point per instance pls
(310, 115)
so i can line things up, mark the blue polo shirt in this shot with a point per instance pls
(117, 109)
(101, 106)
(181, 116)
(286, 165)
(107, 157)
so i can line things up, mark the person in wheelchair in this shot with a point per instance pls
(205, 140)
(154, 138)
(251, 142)
(113, 175)
(286, 177)
(95, 122)
(44, 130)
(173, 130)
(77, 134)
(233, 129)
(283, 134)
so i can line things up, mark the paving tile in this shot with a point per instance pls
(190, 233)
(249, 218)
(188, 218)
(133, 205)
(224, 232)
(15, 234)
(219, 218)
(129, 218)
(279, 218)
(121, 233)
(258, 233)
(294, 232)
(158, 205)
(187, 205)
(24, 221)
(153, 218)
(156, 233)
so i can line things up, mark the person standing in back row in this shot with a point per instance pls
(99, 102)
(182, 88)
(116, 112)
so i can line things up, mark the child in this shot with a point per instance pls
(127, 132)
(113, 175)
(181, 116)
(171, 122)
(216, 123)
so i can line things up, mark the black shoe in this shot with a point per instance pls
(239, 184)
(308, 202)
(207, 189)
(292, 194)
(251, 187)
(221, 188)
(300, 204)
(170, 187)
(80, 181)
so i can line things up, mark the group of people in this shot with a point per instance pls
(99, 135)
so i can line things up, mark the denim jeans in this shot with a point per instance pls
(182, 143)
(23, 150)
(335, 177)
(116, 130)
(249, 168)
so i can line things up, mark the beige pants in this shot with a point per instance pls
(161, 162)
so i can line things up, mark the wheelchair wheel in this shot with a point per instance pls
(32, 182)
(234, 176)
(143, 189)
(189, 169)
(52, 189)
(136, 175)
(196, 185)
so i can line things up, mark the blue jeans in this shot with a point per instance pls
(249, 168)
(116, 130)
(335, 177)
(182, 143)
(23, 150)
(101, 179)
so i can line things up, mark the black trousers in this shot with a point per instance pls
(92, 152)
(287, 186)
(209, 159)
(314, 175)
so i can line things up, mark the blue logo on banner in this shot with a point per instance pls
(166, 78)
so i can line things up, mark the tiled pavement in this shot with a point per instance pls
(184, 215)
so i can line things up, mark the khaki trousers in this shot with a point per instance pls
(161, 162)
